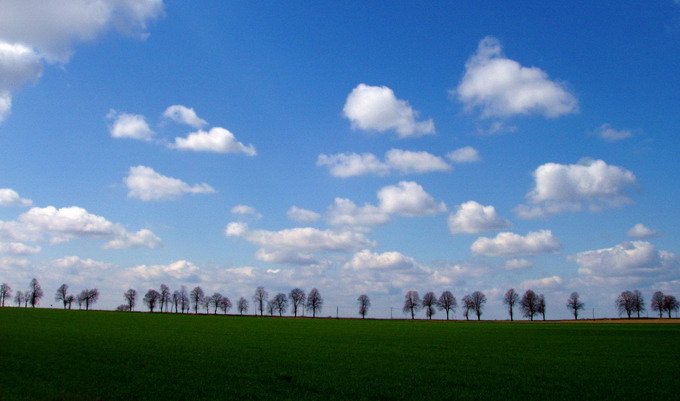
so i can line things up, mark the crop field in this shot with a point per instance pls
(72, 355)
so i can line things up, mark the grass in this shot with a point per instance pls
(71, 355)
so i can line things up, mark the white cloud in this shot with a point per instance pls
(511, 245)
(184, 115)
(408, 161)
(9, 197)
(300, 215)
(245, 210)
(145, 184)
(641, 231)
(287, 257)
(501, 87)
(66, 224)
(5, 104)
(609, 134)
(131, 126)
(344, 165)
(235, 229)
(473, 218)
(344, 212)
(559, 188)
(17, 248)
(217, 140)
(467, 154)
(517, 264)
(409, 199)
(376, 108)
(386, 261)
(179, 270)
(543, 283)
(76, 264)
(19, 65)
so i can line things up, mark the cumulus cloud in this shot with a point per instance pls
(66, 224)
(184, 115)
(474, 218)
(145, 184)
(344, 165)
(408, 161)
(133, 126)
(409, 199)
(501, 87)
(286, 257)
(179, 270)
(76, 264)
(467, 154)
(386, 261)
(344, 212)
(19, 65)
(641, 231)
(9, 197)
(376, 108)
(300, 215)
(17, 248)
(610, 134)
(543, 283)
(245, 210)
(517, 264)
(217, 140)
(559, 188)
(511, 245)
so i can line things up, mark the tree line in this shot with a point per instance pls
(530, 304)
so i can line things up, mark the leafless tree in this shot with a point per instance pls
(510, 298)
(624, 303)
(123, 308)
(90, 296)
(638, 302)
(574, 304)
(364, 303)
(62, 293)
(657, 302)
(184, 299)
(541, 306)
(670, 304)
(70, 298)
(197, 297)
(131, 298)
(429, 304)
(216, 300)
(260, 299)
(412, 303)
(447, 302)
(468, 305)
(177, 300)
(35, 292)
(165, 296)
(314, 302)
(297, 300)
(529, 304)
(270, 307)
(80, 299)
(5, 293)
(242, 305)
(151, 299)
(225, 304)
(19, 298)
(280, 303)
(207, 301)
(478, 302)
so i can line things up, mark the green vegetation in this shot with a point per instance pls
(73, 355)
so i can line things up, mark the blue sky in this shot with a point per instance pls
(357, 148)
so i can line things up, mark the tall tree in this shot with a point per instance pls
(90, 297)
(297, 299)
(242, 306)
(225, 304)
(165, 296)
(468, 305)
(541, 306)
(131, 298)
(364, 303)
(197, 297)
(35, 293)
(657, 302)
(177, 300)
(638, 302)
(624, 303)
(70, 298)
(260, 299)
(280, 303)
(80, 299)
(429, 304)
(19, 298)
(184, 299)
(314, 302)
(574, 304)
(670, 304)
(62, 294)
(270, 307)
(478, 302)
(151, 299)
(447, 302)
(5, 293)
(207, 301)
(510, 298)
(529, 304)
(412, 303)
(216, 300)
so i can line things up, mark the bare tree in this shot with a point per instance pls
(447, 302)
(151, 299)
(314, 302)
(670, 304)
(70, 298)
(638, 302)
(123, 308)
(510, 298)
(197, 297)
(624, 303)
(35, 292)
(80, 299)
(242, 306)
(529, 304)
(207, 301)
(184, 299)
(5, 293)
(657, 302)
(541, 305)
(131, 298)
(364, 303)
(19, 298)
(260, 299)
(574, 304)
(165, 296)
(216, 300)
(90, 297)
(468, 305)
(62, 293)
(478, 301)
(225, 304)
(270, 307)
(280, 303)
(177, 300)
(429, 304)
(297, 299)
(412, 303)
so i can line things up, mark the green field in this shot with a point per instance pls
(72, 355)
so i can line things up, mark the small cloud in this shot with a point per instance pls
(641, 231)
(473, 218)
(511, 245)
(300, 215)
(217, 140)
(344, 165)
(467, 154)
(184, 115)
(609, 134)
(131, 126)
(517, 264)
(245, 210)
(145, 184)
(407, 161)
(409, 199)
(9, 197)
